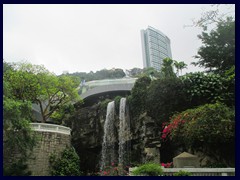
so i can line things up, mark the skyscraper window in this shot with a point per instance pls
(155, 47)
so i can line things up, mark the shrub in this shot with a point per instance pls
(65, 165)
(137, 99)
(114, 170)
(164, 98)
(205, 129)
(167, 165)
(182, 173)
(149, 169)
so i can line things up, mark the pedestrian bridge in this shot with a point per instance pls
(93, 89)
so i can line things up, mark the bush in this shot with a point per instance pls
(137, 99)
(149, 169)
(164, 98)
(205, 129)
(182, 173)
(65, 165)
(114, 170)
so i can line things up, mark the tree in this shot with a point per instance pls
(18, 138)
(218, 51)
(65, 165)
(134, 72)
(205, 129)
(167, 68)
(36, 84)
(137, 99)
(209, 88)
(179, 66)
(164, 97)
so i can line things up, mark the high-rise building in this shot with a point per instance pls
(155, 47)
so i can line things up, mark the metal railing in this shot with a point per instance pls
(198, 171)
(44, 127)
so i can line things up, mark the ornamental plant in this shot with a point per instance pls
(182, 173)
(67, 164)
(167, 165)
(114, 170)
(205, 129)
(149, 169)
(176, 122)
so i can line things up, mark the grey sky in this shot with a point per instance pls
(81, 38)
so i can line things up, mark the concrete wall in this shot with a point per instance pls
(48, 142)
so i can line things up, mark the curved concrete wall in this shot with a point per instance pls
(48, 143)
(107, 88)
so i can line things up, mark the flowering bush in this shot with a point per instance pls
(174, 125)
(114, 170)
(167, 165)
(204, 129)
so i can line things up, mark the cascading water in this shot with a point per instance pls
(109, 138)
(124, 134)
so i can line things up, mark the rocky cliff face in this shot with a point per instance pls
(87, 136)
(87, 133)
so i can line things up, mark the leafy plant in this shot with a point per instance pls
(182, 173)
(218, 51)
(208, 88)
(149, 169)
(164, 98)
(67, 164)
(137, 99)
(36, 84)
(205, 129)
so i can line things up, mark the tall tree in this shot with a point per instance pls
(179, 66)
(18, 138)
(167, 68)
(218, 51)
(36, 84)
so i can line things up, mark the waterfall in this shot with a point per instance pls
(124, 134)
(109, 138)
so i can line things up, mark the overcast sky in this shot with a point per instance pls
(83, 38)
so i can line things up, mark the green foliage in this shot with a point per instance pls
(182, 173)
(149, 169)
(18, 137)
(150, 72)
(102, 74)
(210, 88)
(218, 51)
(18, 168)
(207, 128)
(114, 170)
(167, 68)
(62, 115)
(164, 97)
(135, 72)
(210, 164)
(104, 103)
(179, 66)
(137, 99)
(65, 165)
(117, 104)
(36, 84)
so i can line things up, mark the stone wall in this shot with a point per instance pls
(48, 142)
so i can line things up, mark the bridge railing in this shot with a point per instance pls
(44, 127)
(198, 171)
(103, 82)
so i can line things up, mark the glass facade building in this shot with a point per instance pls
(155, 47)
